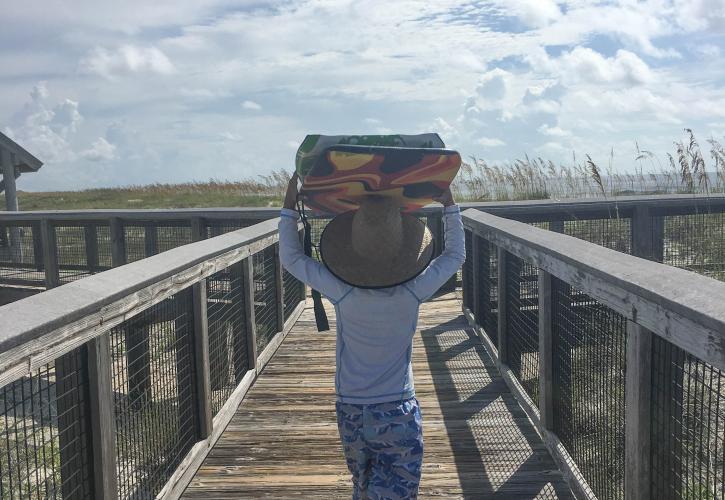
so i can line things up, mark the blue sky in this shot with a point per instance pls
(173, 91)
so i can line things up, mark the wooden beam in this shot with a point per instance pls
(198, 228)
(151, 239)
(502, 305)
(648, 293)
(50, 254)
(476, 269)
(201, 360)
(641, 228)
(8, 170)
(638, 421)
(118, 242)
(38, 245)
(103, 429)
(546, 352)
(90, 237)
(279, 288)
(251, 324)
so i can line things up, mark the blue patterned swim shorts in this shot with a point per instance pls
(383, 446)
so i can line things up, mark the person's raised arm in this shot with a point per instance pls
(450, 260)
(293, 258)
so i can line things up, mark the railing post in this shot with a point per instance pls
(151, 240)
(546, 352)
(198, 227)
(38, 246)
(638, 422)
(91, 243)
(279, 284)
(502, 305)
(201, 359)
(475, 282)
(248, 281)
(239, 342)
(50, 254)
(118, 242)
(647, 234)
(102, 415)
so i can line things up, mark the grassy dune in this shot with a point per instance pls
(691, 169)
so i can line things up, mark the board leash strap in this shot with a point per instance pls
(320, 315)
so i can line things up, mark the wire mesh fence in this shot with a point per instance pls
(589, 343)
(217, 227)
(228, 357)
(44, 448)
(695, 242)
(522, 321)
(76, 250)
(614, 233)
(154, 395)
(265, 296)
(150, 238)
(688, 425)
(21, 260)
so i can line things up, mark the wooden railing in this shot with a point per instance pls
(117, 385)
(618, 360)
(45, 249)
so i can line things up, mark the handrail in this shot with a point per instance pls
(193, 326)
(59, 318)
(618, 360)
(640, 290)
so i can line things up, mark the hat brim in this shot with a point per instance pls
(338, 255)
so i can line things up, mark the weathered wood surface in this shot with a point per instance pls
(283, 440)
(645, 292)
(45, 326)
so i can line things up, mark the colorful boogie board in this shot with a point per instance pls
(338, 171)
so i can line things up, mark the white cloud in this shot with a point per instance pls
(167, 72)
(490, 142)
(553, 131)
(126, 59)
(696, 15)
(44, 129)
(536, 12)
(251, 105)
(100, 150)
(583, 64)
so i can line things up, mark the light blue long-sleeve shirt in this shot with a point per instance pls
(375, 327)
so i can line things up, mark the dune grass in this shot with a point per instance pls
(688, 170)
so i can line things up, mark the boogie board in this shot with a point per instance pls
(339, 171)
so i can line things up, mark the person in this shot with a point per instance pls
(370, 276)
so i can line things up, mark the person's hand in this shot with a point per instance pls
(290, 198)
(445, 198)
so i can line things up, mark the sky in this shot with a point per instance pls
(180, 90)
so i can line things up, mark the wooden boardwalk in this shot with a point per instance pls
(283, 441)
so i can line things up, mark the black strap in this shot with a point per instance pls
(320, 315)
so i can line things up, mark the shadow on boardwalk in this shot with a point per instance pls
(282, 442)
(496, 450)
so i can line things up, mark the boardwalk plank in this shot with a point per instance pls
(283, 443)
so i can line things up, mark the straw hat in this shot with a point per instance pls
(376, 246)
